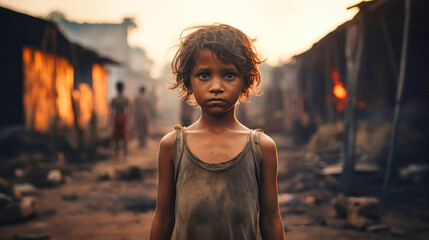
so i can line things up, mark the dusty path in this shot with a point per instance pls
(88, 208)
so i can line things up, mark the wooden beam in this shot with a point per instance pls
(398, 103)
(354, 50)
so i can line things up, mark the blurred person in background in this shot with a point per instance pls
(121, 109)
(142, 116)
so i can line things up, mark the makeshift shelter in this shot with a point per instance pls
(353, 74)
(47, 82)
(111, 40)
(316, 72)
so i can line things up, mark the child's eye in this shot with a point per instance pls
(203, 76)
(230, 76)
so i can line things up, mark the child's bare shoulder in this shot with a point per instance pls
(266, 143)
(166, 150)
(167, 141)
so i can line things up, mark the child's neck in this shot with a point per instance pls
(219, 122)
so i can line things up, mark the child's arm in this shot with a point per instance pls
(163, 220)
(270, 221)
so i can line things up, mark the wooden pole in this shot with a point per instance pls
(398, 103)
(389, 46)
(354, 51)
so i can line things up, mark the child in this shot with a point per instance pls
(120, 110)
(217, 178)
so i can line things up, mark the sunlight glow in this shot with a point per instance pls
(283, 28)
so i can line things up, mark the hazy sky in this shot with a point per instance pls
(283, 28)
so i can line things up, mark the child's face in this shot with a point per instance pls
(216, 85)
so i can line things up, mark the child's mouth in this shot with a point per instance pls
(216, 100)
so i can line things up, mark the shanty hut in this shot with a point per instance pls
(368, 49)
(47, 81)
(370, 73)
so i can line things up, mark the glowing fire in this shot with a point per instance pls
(99, 84)
(48, 92)
(48, 81)
(83, 98)
(64, 86)
(339, 90)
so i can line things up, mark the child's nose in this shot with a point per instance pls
(216, 85)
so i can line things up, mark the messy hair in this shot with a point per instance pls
(229, 44)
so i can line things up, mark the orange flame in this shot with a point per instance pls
(99, 83)
(48, 81)
(84, 100)
(339, 90)
(64, 86)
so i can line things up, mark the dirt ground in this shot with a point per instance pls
(86, 207)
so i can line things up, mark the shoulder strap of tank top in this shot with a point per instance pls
(256, 152)
(178, 149)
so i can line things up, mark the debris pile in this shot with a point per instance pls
(14, 206)
(129, 174)
(360, 212)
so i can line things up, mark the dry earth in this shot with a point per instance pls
(88, 208)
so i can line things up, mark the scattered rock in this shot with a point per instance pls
(19, 172)
(5, 199)
(19, 210)
(54, 176)
(415, 172)
(26, 189)
(377, 228)
(132, 173)
(286, 199)
(327, 137)
(340, 205)
(109, 174)
(337, 169)
(9, 189)
(363, 211)
(360, 212)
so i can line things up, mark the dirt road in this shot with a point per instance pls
(89, 208)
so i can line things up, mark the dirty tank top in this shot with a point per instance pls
(217, 201)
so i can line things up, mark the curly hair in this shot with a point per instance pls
(229, 44)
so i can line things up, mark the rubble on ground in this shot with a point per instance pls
(328, 136)
(360, 212)
(14, 206)
(128, 174)
(371, 140)
(418, 173)
(26, 189)
(41, 159)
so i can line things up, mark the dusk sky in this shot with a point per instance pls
(283, 28)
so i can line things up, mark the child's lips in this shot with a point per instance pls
(216, 100)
